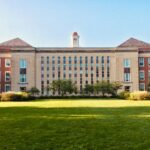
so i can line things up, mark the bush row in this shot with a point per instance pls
(73, 97)
(15, 96)
(136, 95)
(23, 96)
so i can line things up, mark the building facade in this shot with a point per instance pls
(23, 66)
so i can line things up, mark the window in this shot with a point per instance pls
(92, 60)
(102, 59)
(108, 59)
(7, 76)
(75, 75)
(53, 75)
(141, 75)
(80, 59)
(127, 77)
(64, 60)
(70, 76)
(7, 63)
(142, 87)
(42, 76)
(23, 63)
(58, 59)
(23, 78)
(75, 60)
(141, 62)
(48, 68)
(86, 60)
(70, 60)
(126, 63)
(64, 76)
(149, 61)
(97, 59)
(42, 60)
(53, 60)
(7, 87)
(23, 66)
(148, 75)
(47, 60)
(103, 75)
(64, 67)
(70, 68)
(42, 68)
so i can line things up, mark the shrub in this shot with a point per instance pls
(15, 96)
(124, 95)
(139, 95)
(0, 96)
(7, 96)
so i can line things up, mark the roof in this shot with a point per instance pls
(17, 42)
(132, 42)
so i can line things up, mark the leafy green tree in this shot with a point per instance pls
(34, 91)
(63, 87)
(97, 88)
(104, 87)
(115, 86)
(48, 89)
(89, 89)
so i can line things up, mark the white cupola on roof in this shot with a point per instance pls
(75, 39)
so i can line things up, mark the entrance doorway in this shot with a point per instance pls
(127, 88)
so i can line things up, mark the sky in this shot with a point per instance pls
(100, 23)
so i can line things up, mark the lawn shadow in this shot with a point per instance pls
(74, 128)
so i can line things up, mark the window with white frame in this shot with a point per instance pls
(126, 63)
(127, 77)
(23, 78)
(141, 62)
(148, 75)
(149, 61)
(7, 76)
(141, 75)
(7, 87)
(23, 70)
(142, 87)
(23, 63)
(7, 62)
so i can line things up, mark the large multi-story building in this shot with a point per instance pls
(23, 66)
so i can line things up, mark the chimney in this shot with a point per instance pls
(75, 39)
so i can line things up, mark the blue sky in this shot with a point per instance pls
(100, 23)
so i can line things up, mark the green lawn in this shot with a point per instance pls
(75, 125)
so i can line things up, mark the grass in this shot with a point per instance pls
(75, 125)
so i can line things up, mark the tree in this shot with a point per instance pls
(34, 91)
(104, 87)
(70, 87)
(148, 87)
(96, 88)
(48, 89)
(89, 89)
(115, 86)
(62, 87)
(54, 86)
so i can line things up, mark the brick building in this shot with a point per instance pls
(23, 66)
